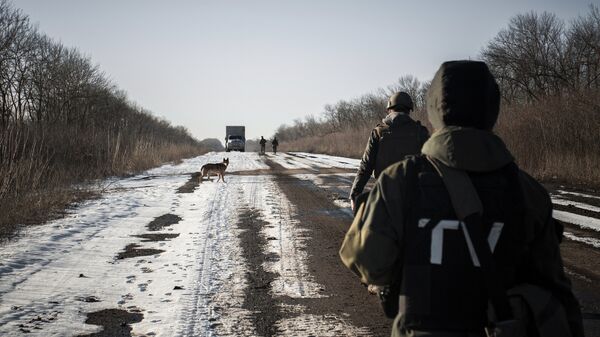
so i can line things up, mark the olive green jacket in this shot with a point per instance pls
(374, 243)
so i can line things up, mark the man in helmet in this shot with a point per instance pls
(397, 136)
(262, 142)
(460, 226)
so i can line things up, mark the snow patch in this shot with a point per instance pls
(589, 196)
(587, 240)
(566, 202)
(576, 219)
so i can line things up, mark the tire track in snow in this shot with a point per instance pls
(197, 313)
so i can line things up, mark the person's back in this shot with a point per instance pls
(274, 143)
(409, 231)
(397, 136)
(262, 142)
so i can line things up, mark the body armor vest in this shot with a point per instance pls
(398, 141)
(442, 287)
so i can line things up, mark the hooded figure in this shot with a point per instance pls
(397, 136)
(409, 235)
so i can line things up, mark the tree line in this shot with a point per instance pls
(548, 71)
(62, 120)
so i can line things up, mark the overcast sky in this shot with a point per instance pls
(207, 64)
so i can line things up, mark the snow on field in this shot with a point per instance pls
(589, 241)
(566, 202)
(576, 219)
(292, 160)
(330, 161)
(55, 274)
(52, 269)
(238, 161)
(583, 195)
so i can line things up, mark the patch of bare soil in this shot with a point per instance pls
(327, 226)
(191, 185)
(163, 221)
(258, 300)
(151, 237)
(115, 322)
(133, 250)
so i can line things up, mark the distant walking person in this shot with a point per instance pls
(275, 143)
(262, 142)
(397, 136)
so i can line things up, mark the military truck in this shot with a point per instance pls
(235, 138)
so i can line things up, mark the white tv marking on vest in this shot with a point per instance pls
(437, 238)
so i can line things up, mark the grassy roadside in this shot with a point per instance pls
(64, 186)
(555, 140)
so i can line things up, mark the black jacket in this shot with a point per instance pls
(397, 136)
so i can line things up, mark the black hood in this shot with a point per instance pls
(463, 93)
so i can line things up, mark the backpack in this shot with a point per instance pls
(525, 310)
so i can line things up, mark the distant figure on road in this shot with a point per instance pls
(262, 142)
(456, 230)
(275, 143)
(397, 136)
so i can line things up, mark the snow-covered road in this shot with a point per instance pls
(221, 260)
(190, 282)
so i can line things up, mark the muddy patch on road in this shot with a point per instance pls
(258, 300)
(152, 237)
(134, 250)
(163, 221)
(115, 322)
(191, 185)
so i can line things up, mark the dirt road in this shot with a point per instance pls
(164, 255)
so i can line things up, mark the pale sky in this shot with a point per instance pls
(207, 64)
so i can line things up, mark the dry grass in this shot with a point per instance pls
(43, 172)
(557, 139)
(554, 140)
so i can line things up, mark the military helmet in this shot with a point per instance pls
(400, 101)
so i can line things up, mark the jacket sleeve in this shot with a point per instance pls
(372, 247)
(547, 268)
(367, 165)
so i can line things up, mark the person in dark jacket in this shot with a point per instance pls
(274, 143)
(398, 135)
(412, 230)
(262, 142)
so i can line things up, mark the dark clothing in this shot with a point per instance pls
(397, 136)
(390, 240)
(262, 142)
(274, 143)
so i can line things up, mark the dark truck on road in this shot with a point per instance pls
(235, 138)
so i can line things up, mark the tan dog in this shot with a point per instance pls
(219, 169)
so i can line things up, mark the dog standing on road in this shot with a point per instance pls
(219, 169)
